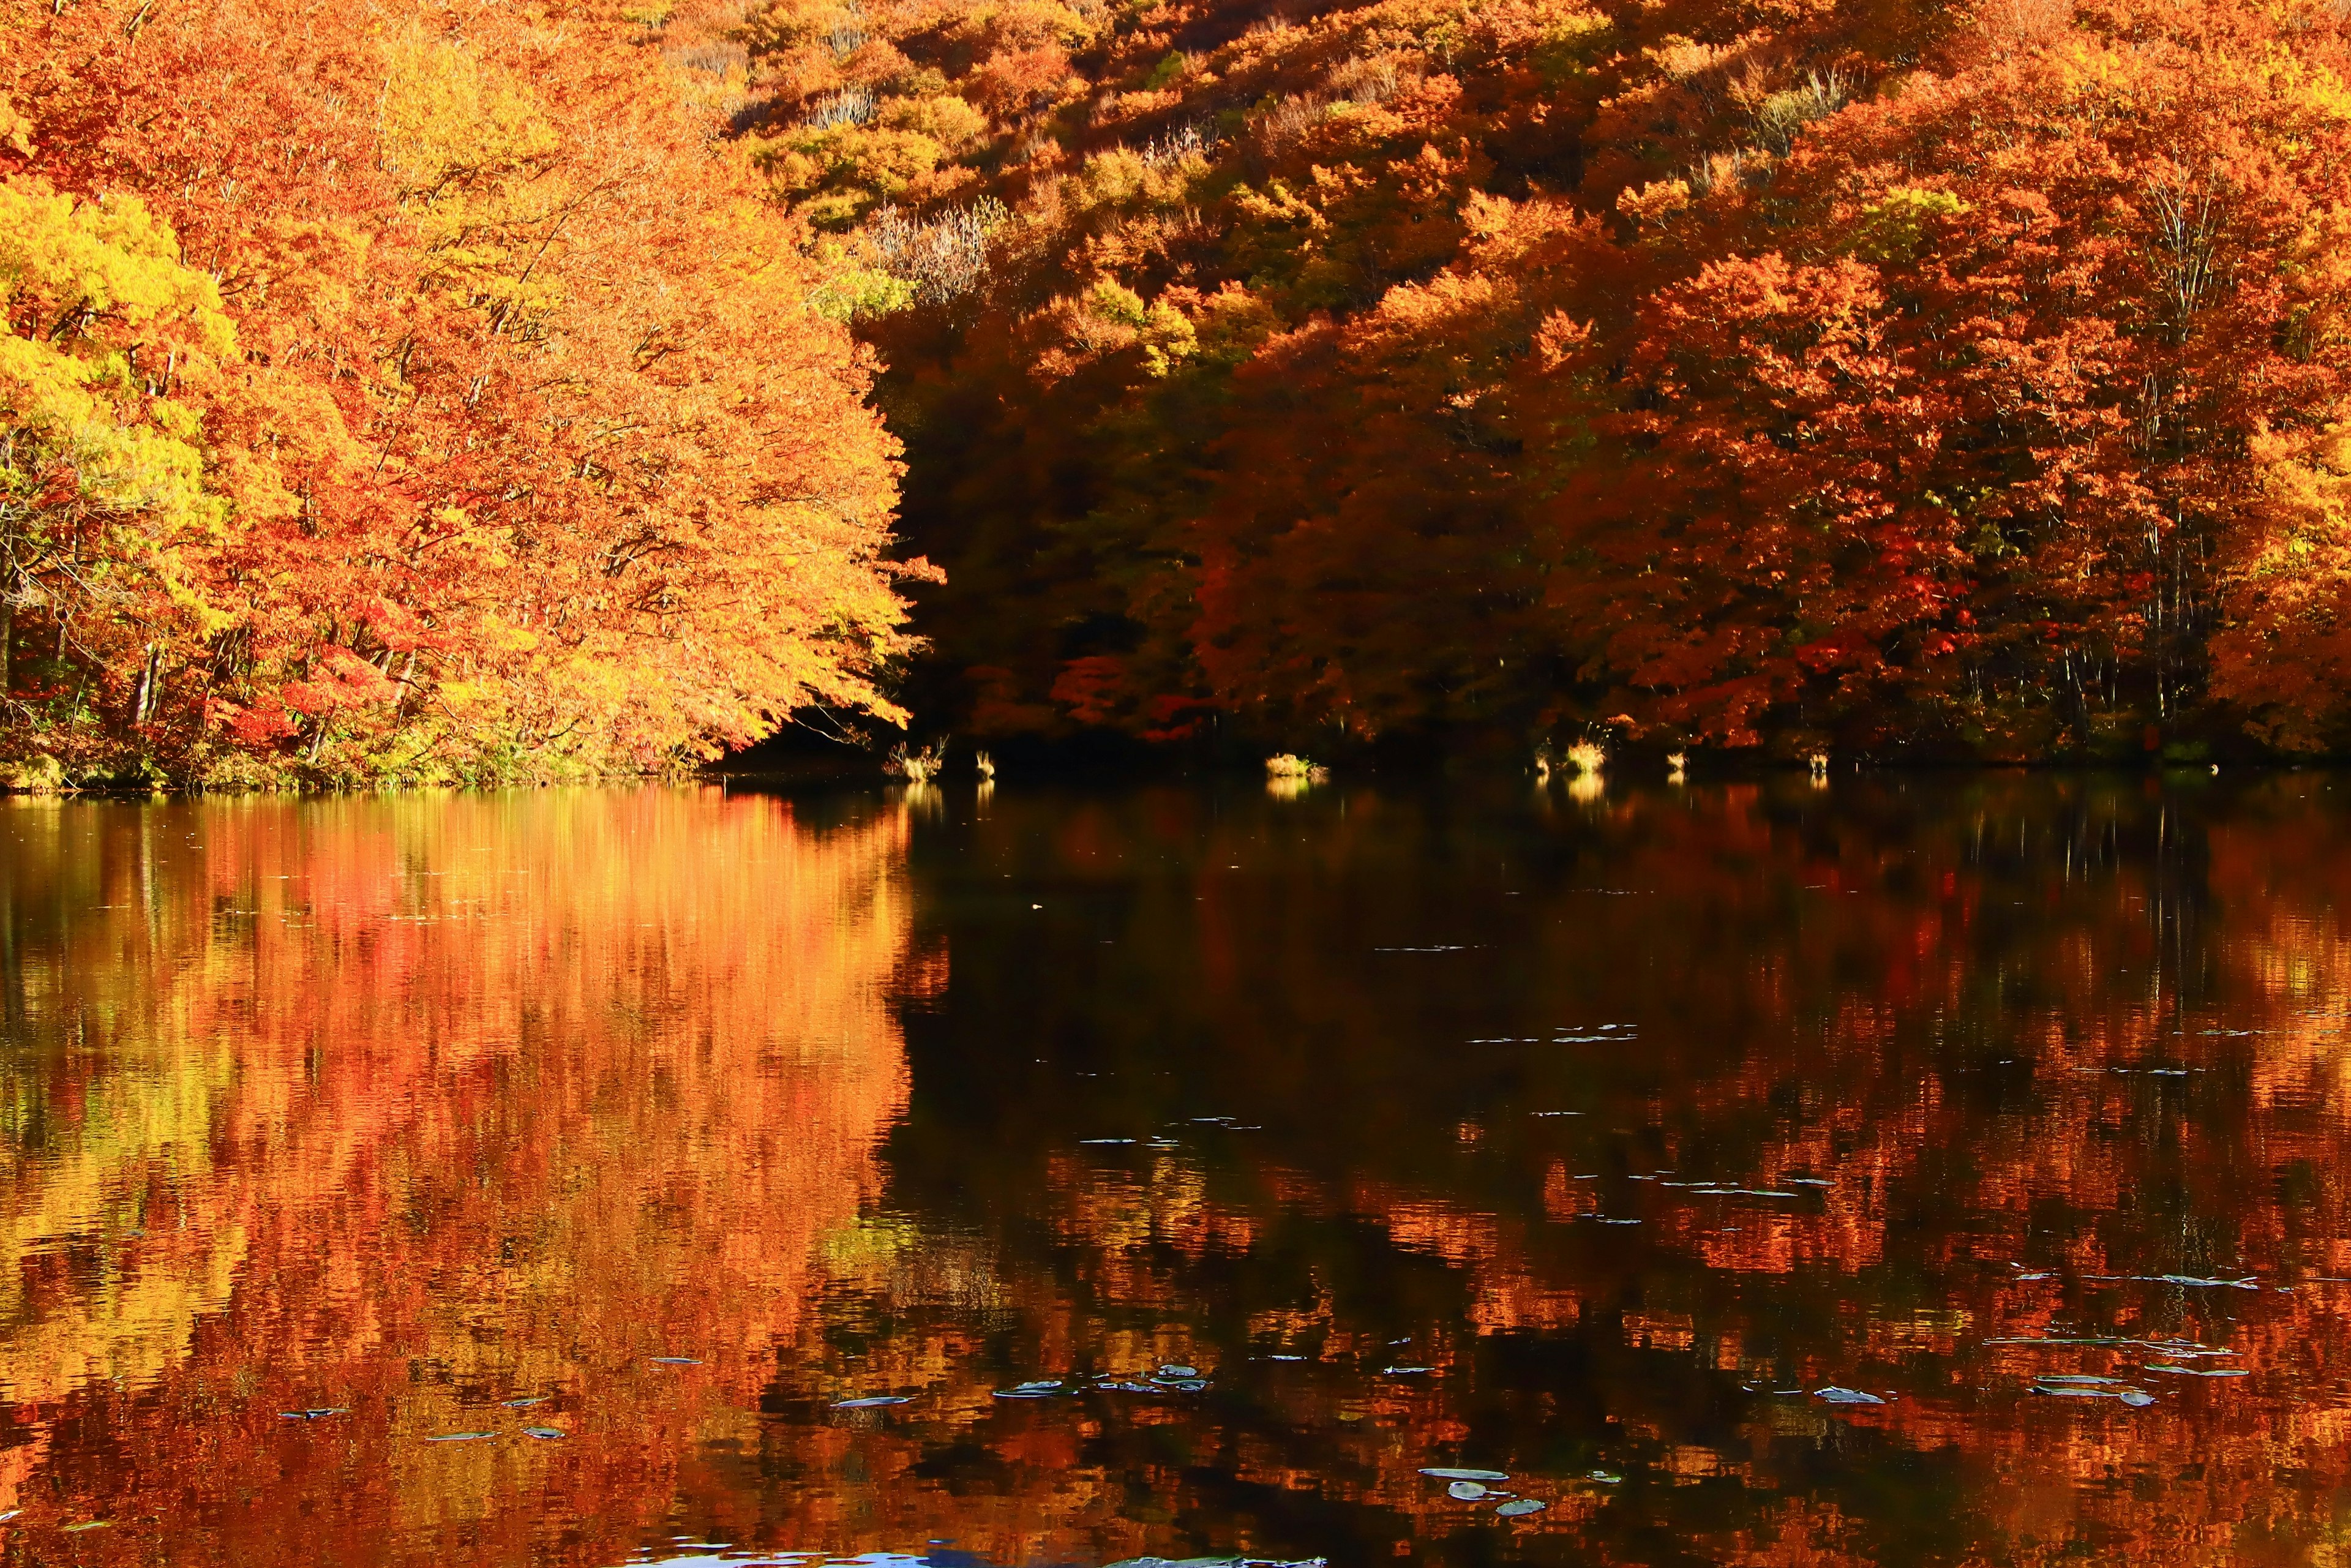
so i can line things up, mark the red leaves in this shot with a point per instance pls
(343, 680)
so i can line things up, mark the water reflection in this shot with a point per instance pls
(399, 1111)
(1909, 1171)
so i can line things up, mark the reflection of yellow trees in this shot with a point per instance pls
(419, 1104)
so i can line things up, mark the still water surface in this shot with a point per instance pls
(1940, 1170)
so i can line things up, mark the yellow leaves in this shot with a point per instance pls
(501, 635)
(1895, 227)
(1277, 204)
(1655, 202)
(76, 398)
(948, 120)
(1678, 59)
(109, 258)
(837, 172)
(1231, 323)
(450, 118)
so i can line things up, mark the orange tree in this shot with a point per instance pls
(502, 436)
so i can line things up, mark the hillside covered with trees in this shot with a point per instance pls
(426, 391)
(1911, 379)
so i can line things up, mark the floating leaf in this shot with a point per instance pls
(1604, 1477)
(86, 1524)
(1404, 1371)
(1444, 1473)
(2199, 1371)
(675, 1359)
(1179, 1372)
(1518, 1507)
(1467, 1491)
(1837, 1396)
(314, 1415)
(2135, 1397)
(870, 1402)
(545, 1433)
(459, 1436)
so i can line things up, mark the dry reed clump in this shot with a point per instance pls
(914, 766)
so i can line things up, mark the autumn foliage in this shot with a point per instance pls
(1909, 379)
(418, 393)
(411, 391)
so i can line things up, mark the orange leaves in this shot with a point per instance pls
(343, 680)
(531, 400)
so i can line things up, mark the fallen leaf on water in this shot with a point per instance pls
(2199, 1371)
(1446, 1473)
(1837, 1396)
(869, 1401)
(1519, 1507)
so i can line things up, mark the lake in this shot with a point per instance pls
(1906, 1169)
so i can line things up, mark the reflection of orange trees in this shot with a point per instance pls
(418, 1105)
(1947, 1014)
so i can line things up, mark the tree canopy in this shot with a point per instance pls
(413, 392)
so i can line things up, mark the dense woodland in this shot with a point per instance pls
(421, 391)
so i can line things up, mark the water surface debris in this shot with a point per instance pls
(459, 1436)
(1450, 1473)
(1465, 1491)
(544, 1433)
(2199, 1371)
(870, 1402)
(1837, 1396)
(1519, 1507)
(314, 1415)
(674, 1360)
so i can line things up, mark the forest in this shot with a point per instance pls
(422, 391)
